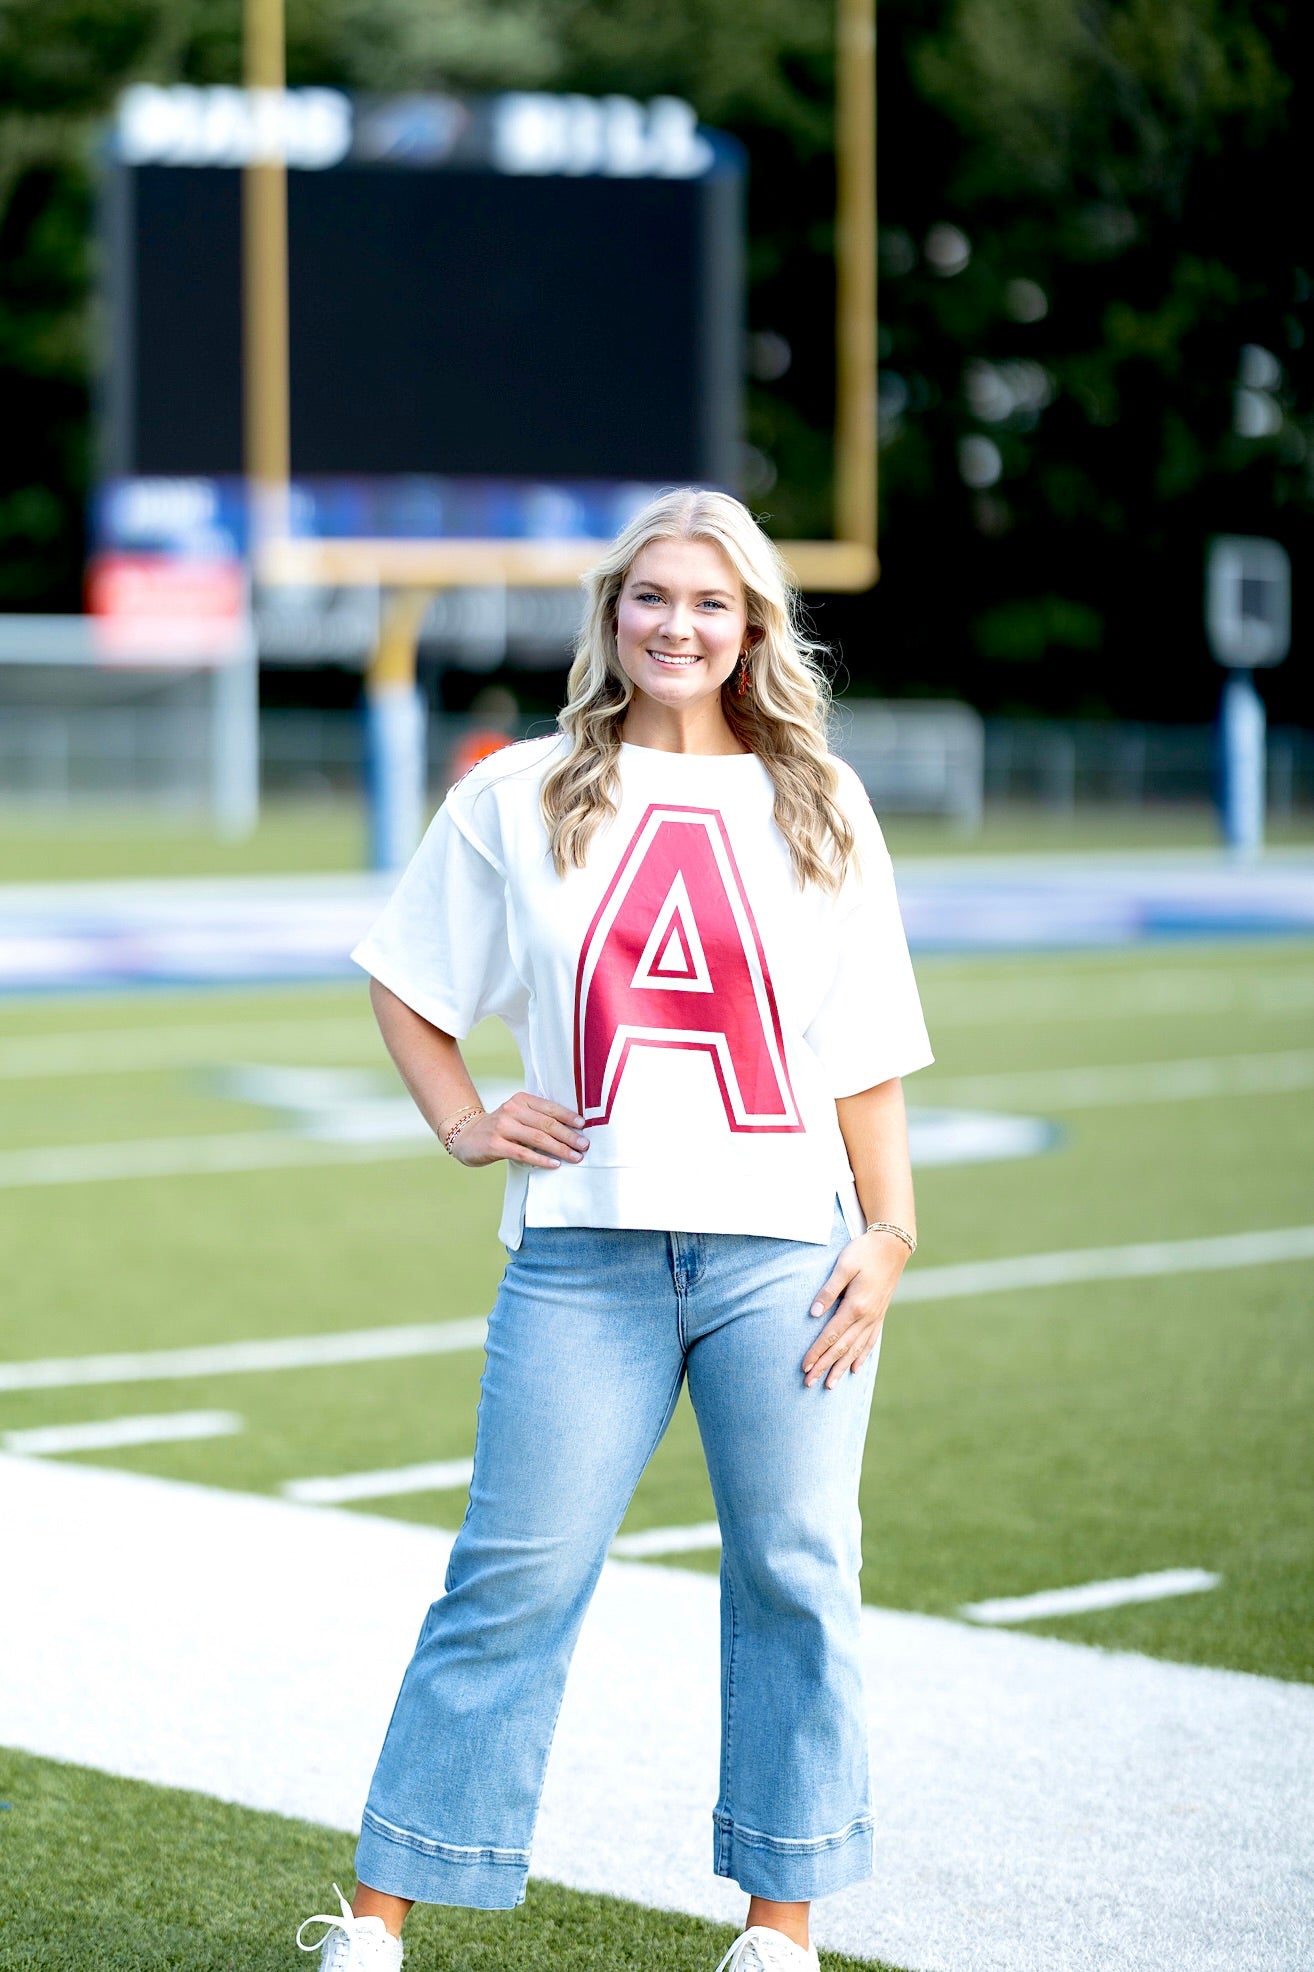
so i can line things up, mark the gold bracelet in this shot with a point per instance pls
(883, 1225)
(452, 1129)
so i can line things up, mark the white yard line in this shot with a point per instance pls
(1141, 1262)
(667, 1540)
(358, 1345)
(438, 1476)
(108, 1434)
(173, 1157)
(1109, 994)
(132, 1050)
(967, 1278)
(1134, 1082)
(1038, 1804)
(1091, 1595)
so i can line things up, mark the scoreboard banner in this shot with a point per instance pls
(525, 133)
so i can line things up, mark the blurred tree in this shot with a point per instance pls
(1096, 312)
(1095, 292)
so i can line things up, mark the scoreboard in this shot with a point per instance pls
(524, 289)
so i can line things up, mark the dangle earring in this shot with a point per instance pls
(742, 685)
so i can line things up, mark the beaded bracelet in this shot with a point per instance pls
(453, 1128)
(883, 1225)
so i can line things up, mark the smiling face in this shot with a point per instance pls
(681, 621)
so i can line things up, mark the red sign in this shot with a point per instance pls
(153, 608)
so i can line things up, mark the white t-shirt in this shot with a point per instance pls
(694, 1005)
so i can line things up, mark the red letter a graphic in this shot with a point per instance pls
(673, 960)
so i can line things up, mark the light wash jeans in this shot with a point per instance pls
(592, 1335)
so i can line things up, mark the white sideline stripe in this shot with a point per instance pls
(172, 1157)
(1091, 1595)
(131, 1050)
(1041, 1804)
(108, 1434)
(1135, 1082)
(355, 1345)
(949, 1283)
(438, 1476)
(668, 1540)
(1142, 1262)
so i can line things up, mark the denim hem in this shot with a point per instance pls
(793, 1869)
(402, 1864)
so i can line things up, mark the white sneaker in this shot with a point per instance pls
(353, 1944)
(762, 1950)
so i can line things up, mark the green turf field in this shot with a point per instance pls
(1027, 1440)
(129, 1878)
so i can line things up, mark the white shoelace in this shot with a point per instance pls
(763, 1950)
(353, 1926)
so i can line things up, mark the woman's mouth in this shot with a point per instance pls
(672, 657)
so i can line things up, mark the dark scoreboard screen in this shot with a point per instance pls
(445, 317)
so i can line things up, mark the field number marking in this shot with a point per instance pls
(1169, 1256)
(1091, 1595)
(109, 1434)
(439, 1476)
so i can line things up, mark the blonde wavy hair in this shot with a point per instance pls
(782, 716)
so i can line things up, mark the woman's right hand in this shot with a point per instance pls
(524, 1129)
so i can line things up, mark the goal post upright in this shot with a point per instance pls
(847, 564)
(855, 276)
(266, 383)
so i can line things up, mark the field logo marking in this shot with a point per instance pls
(673, 959)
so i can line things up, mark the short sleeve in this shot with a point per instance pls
(869, 1026)
(441, 943)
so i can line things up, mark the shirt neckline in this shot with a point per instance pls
(704, 759)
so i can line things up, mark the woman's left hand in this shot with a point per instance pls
(865, 1276)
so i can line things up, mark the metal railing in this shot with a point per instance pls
(142, 740)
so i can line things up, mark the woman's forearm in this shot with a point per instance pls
(874, 1125)
(428, 1060)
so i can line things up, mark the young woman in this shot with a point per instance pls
(682, 906)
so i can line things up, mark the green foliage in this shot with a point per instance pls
(1121, 174)
(1116, 101)
(1025, 630)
